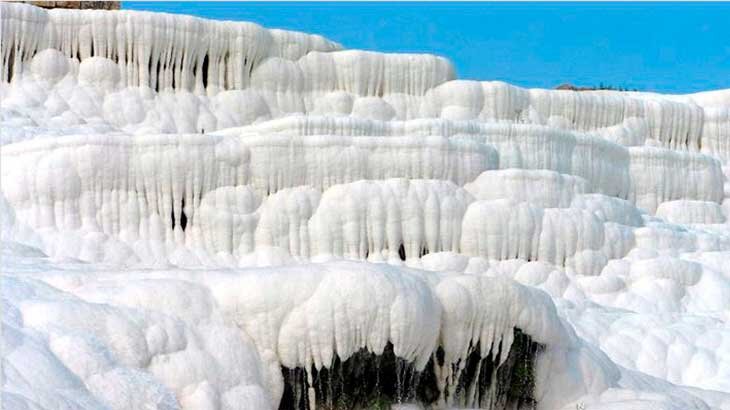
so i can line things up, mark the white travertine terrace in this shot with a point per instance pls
(189, 205)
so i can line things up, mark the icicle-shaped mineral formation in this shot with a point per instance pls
(213, 215)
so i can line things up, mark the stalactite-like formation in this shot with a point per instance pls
(215, 215)
(369, 381)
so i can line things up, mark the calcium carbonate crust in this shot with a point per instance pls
(189, 205)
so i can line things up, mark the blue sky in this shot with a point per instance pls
(674, 47)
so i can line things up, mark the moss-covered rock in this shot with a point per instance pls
(369, 381)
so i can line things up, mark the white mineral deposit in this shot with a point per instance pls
(213, 215)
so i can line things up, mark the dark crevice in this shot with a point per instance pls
(157, 76)
(250, 67)
(204, 71)
(226, 80)
(149, 67)
(172, 218)
(181, 63)
(183, 217)
(364, 381)
(11, 61)
(370, 381)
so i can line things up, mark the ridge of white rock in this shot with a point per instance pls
(190, 206)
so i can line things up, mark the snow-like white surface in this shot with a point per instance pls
(189, 205)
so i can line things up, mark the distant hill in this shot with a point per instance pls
(102, 5)
(568, 86)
